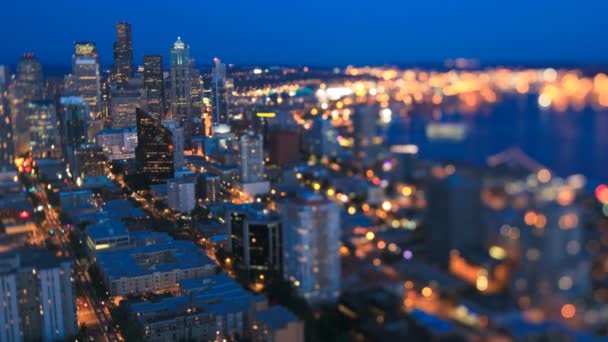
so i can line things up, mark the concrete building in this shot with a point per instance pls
(181, 194)
(178, 141)
(181, 106)
(44, 138)
(311, 238)
(123, 104)
(152, 268)
(39, 297)
(117, 144)
(86, 77)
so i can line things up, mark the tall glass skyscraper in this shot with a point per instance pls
(154, 85)
(43, 132)
(29, 86)
(181, 107)
(85, 74)
(154, 152)
(123, 52)
(219, 100)
(74, 117)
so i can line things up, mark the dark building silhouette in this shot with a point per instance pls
(154, 152)
(454, 217)
(255, 242)
(7, 151)
(123, 52)
(154, 85)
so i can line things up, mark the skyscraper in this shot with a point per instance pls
(178, 141)
(154, 152)
(74, 117)
(43, 129)
(154, 85)
(39, 296)
(123, 52)
(123, 103)
(7, 151)
(255, 242)
(181, 108)
(252, 158)
(364, 124)
(311, 238)
(454, 217)
(219, 100)
(196, 93)
(181, 194)
(85, 75)
(28, 86)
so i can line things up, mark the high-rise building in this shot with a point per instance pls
(40, 303)
(219, 96)
(89, 161)
(322, 139)
(364, 125)
(255, 242)
(7, 151)
(178, 141)
(86, 77)
(454, 219)
(29, 81)
(208, 187)
(196, 93)
(252, 158)
(123, 52)
(117, 143)
(284, 146)
(44, 138)
(311, 238)
(154, 85)
(74, 117)
(181, 105)
(123, 103)
(29, 85)
(154, 152)
(181, 194)
(5, 77)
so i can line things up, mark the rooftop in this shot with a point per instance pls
(107, 229)
(126, 262)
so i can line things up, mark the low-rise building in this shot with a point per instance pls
(152, 268)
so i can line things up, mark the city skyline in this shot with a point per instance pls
(320, 34)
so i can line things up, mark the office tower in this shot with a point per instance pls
(154, 85)
(44, 138)
(311, 238)
(196, 93)
(74, 117)
(322, 139)
(29, 81)
(123, 103)
(28, 86)
(123, 53)
(7, 151)
(40, 303)
(364, 124)
(86, 77)
(554, 267)
(454, 217)
(117, 144)
(154, 152)
(5, 78)
(181, 108)
(89, 161)
(255, 242)
(178, 141)
(252, 158)
(219, 100)
(181, 194)
(208, 187)
(284, 146)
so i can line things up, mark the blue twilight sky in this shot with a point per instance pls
(315, 32)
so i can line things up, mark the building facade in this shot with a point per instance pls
(181, 108)
(123, 53)
(154, 152)
(86, 76)
(154, 85)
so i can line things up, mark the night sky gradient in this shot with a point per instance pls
(316, 32)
